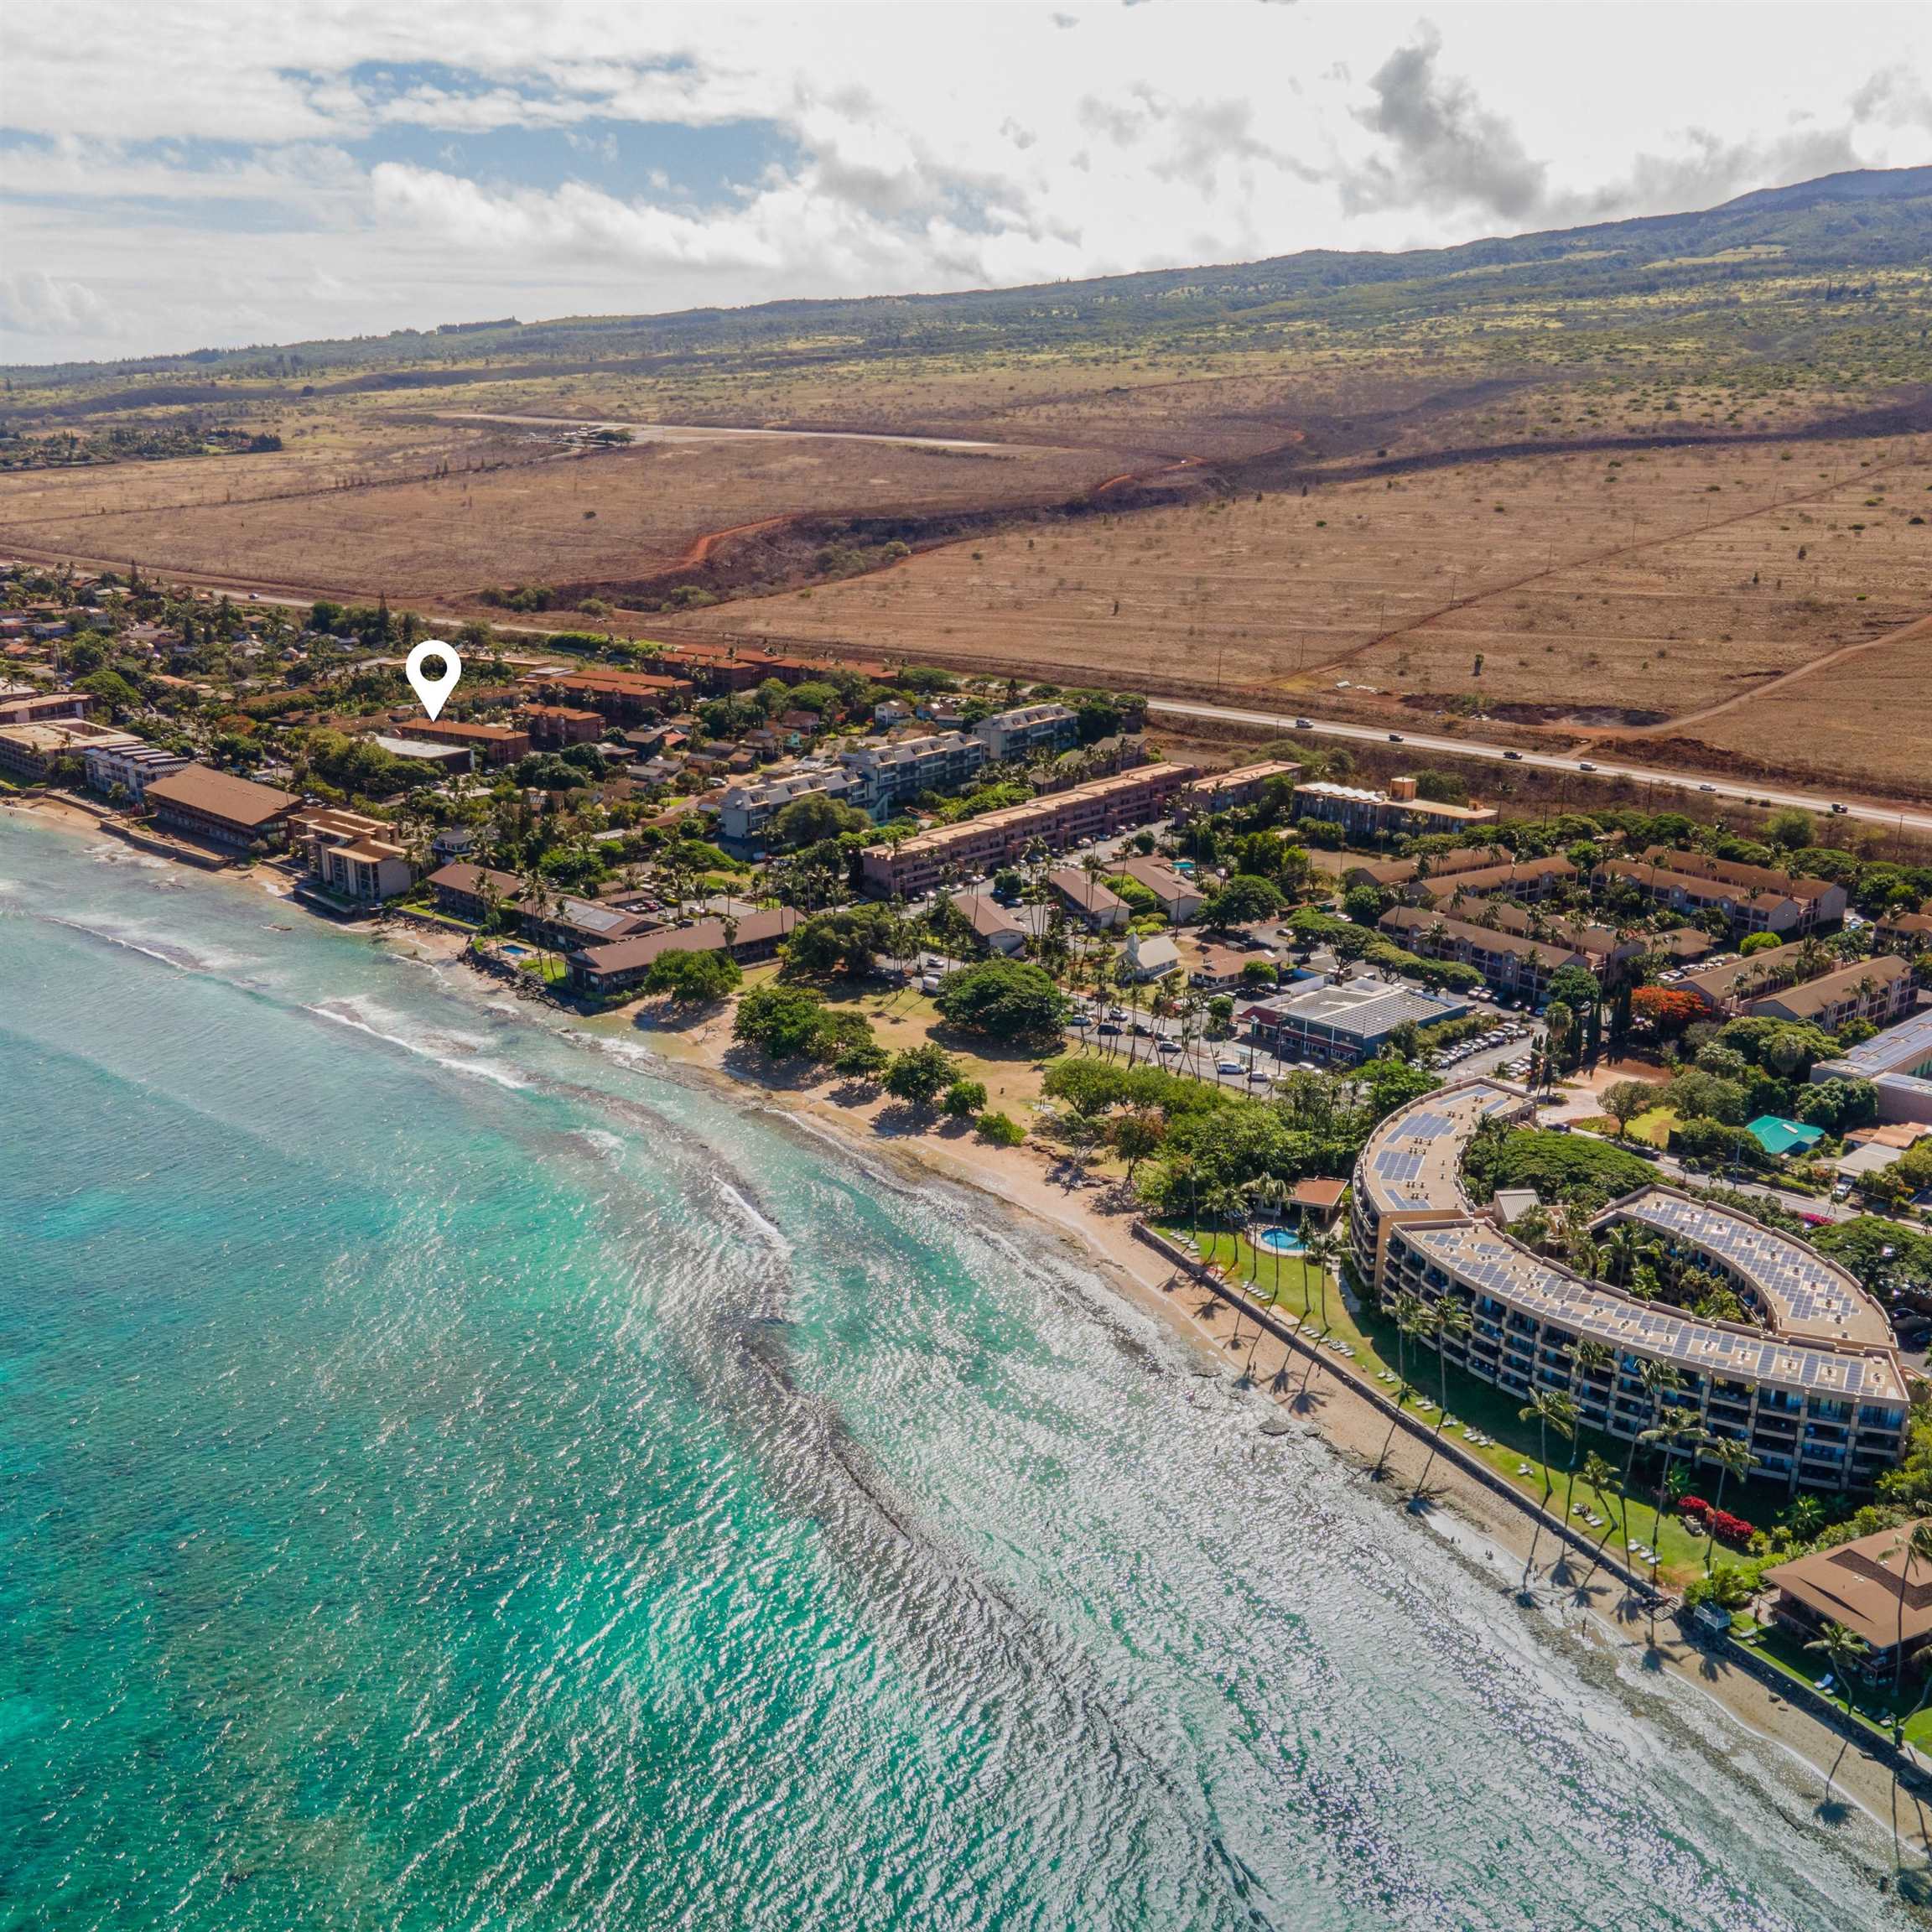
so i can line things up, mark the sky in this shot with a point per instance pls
(178, 175)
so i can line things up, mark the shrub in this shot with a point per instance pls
(1000, 1129)
(1729, 1529)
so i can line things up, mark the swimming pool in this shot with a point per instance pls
(1278, 1240)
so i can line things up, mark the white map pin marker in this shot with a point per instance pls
(434, 691)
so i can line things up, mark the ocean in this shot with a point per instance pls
(458, 1472)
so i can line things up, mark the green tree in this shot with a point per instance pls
(1008, 999)
(964, 1099)
(1001, 1130)
(694, 977)
(920, 1074)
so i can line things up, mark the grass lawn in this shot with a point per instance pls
(1289, 1284)
(1654, 1127)
(1779, 1646)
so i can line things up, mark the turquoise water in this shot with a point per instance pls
(1278, 1240)
(454, 1475)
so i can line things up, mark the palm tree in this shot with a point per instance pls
(1620, 1247)
(1671, 1436)
(1599, 1473)
(1548, 1409)
(1732, 1459)
(1657, 1378)
(1843, 1650)
(1918, 1545)
(1321, 1250)
(1447, 1317)
(1400, 1309)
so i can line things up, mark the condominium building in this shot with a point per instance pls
(1056, 821)
(31, 752)
(1751, 898)
(1816, 1392)
(624, 964)
(1229, 790)
(748, 809)
(1027, 729)
(901, 768)
(349, 855)
(1879, 991)
(493, 744)
(553, 726)
(1511, 962)
(216, 808)
(127, 765)
(1397, 812)
(1508, 879)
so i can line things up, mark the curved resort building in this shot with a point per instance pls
(1817, 1392)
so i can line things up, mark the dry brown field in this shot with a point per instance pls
(536, 515)
(1600, 589)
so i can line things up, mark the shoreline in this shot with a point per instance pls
(1491, 1536)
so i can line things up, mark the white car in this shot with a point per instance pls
(1229, 1066)
(1169, 1047)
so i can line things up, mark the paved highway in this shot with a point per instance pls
(1897, 818)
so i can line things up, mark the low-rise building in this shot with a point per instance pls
(493, 744)
(1879, 991)
(1511, 962)
(1397, 812)
(567, 925)
(1231, 791)
(748, 809)
(623, 965)
(349, 855)
(1027, 729)
(1148, 956)
(1180, 897)
(1097, 906)
(902, 768)
(472, 892)
(1343, 1022)
(126, 768)
(1056, 821)
(1869, 1587)
(1751, 898)
(216, 808)
(1508, 879)
(623, 697)
(1898, 1062)
(446, 758)
(1905, 933)
(552, 727)
(993, 925)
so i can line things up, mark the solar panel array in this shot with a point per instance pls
(1900, 1049)
(1412, 1161)
(1806, 1294)
(1480, 1258)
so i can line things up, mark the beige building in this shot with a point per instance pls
(1813, 1388)
(349, 855)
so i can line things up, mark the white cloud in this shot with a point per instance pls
(923, 148)
(35, 303)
